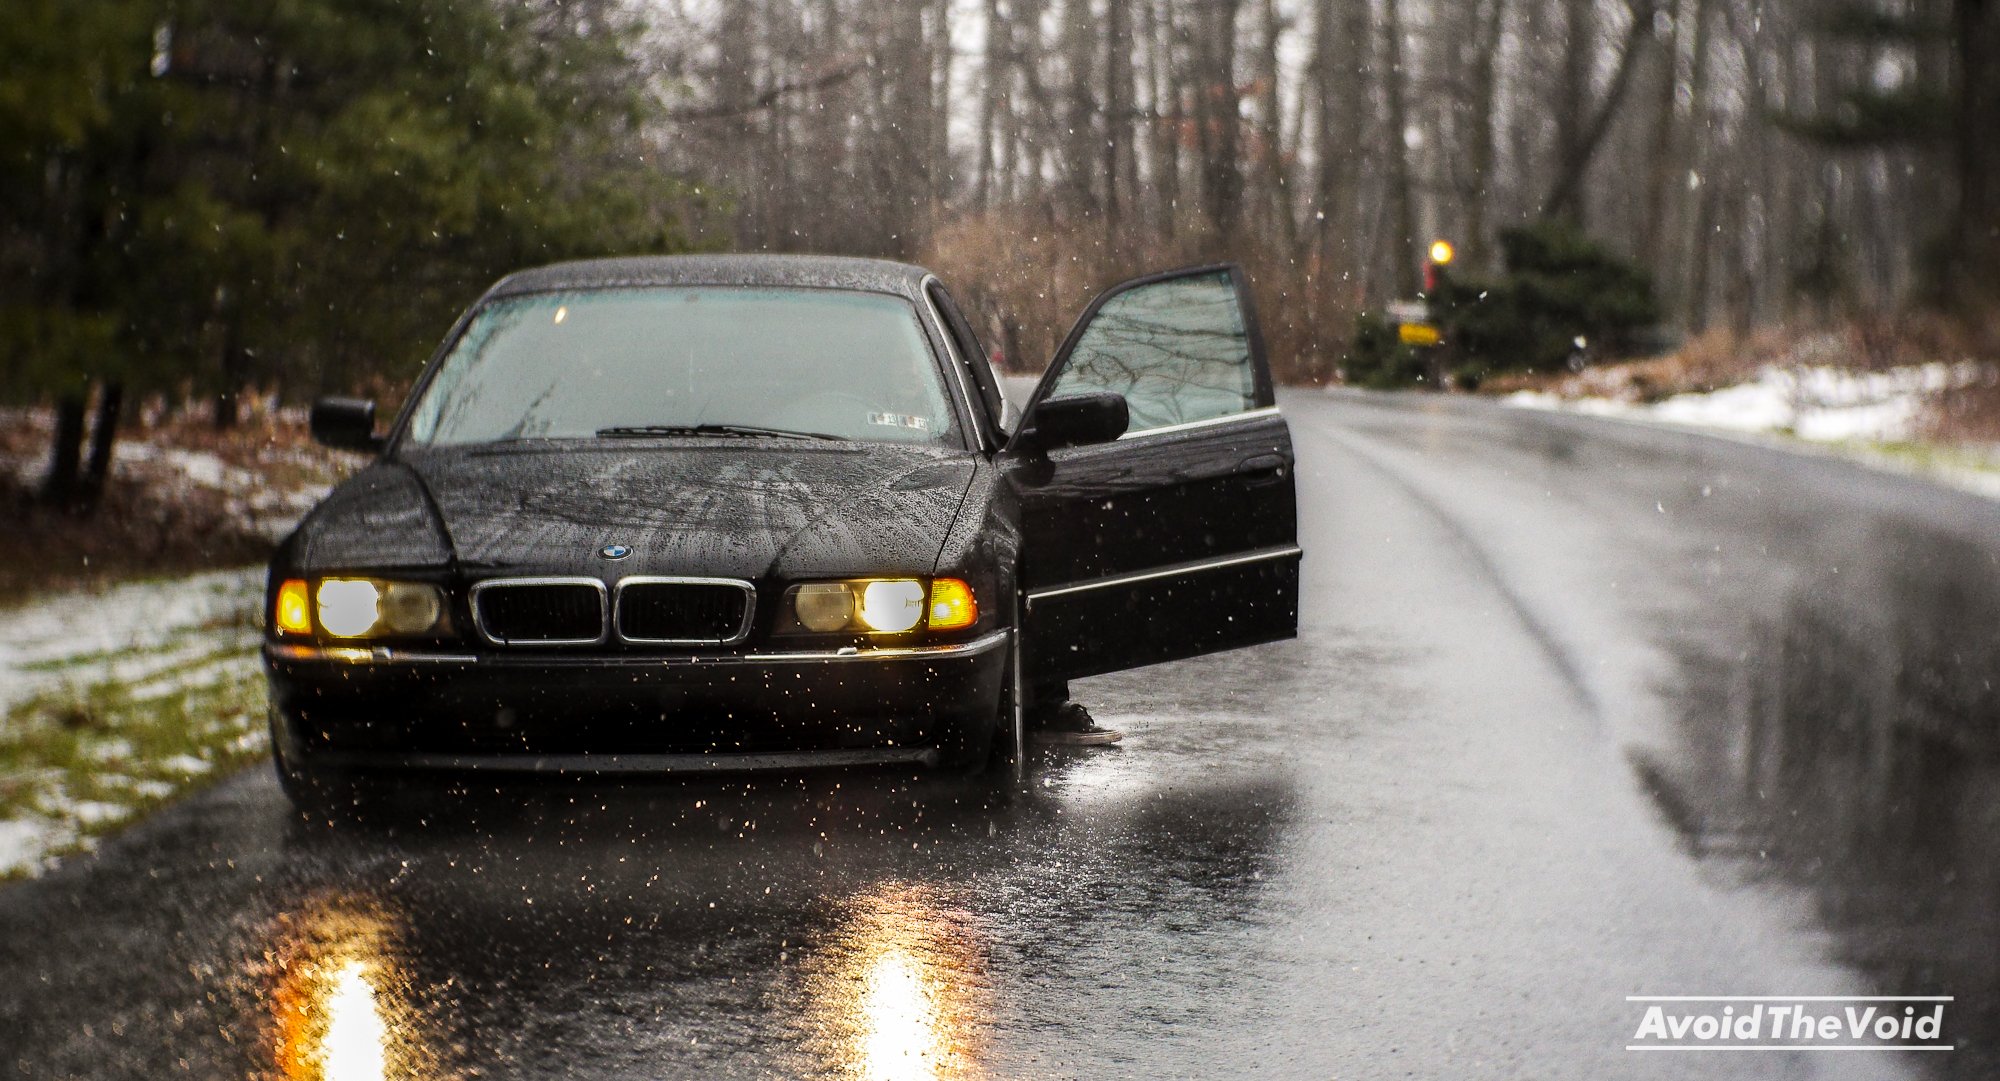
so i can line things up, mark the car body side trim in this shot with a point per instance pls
(1178, 570)
(728, 762)
(292, 653)
(1208, 422)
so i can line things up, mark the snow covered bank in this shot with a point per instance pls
(116, 701)
(1821, 404)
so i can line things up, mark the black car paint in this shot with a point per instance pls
(770, 511)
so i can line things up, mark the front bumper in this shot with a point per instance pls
(348, 707)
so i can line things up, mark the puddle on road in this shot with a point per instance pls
(1851, 752)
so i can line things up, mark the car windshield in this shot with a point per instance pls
(710, 361)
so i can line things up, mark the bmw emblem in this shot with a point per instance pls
(615, 551)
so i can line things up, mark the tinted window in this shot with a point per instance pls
(568, 365)
(1177, 350)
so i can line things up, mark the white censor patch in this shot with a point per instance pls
(900, 420)
(1795, 1023)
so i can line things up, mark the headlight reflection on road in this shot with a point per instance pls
(899, 994)
(338, 1010)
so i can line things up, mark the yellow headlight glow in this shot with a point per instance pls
(349, 607)
(893, 605)
(952, 605)
(292, 613)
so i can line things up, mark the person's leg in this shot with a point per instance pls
(1053, 718)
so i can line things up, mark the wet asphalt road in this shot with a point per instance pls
(1579, 710)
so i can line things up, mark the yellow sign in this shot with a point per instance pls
(1418, 334)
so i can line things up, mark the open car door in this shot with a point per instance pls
(1179, 537)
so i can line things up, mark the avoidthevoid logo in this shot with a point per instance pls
(1789, 1023)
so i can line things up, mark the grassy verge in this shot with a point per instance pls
(98, 735)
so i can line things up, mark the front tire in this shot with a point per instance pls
(314, 791)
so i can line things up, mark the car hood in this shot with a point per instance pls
(727, 510)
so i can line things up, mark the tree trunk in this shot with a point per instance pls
(1402, 203)
(1080, 138)
(1483, 137)
(103, 434)
(1573, 96)
(61, 484)
(991, 72)
(1566, 194)
(1120, 174)
(1219, 128)
(1167, 118)
(1279, 228)
(1977, 278)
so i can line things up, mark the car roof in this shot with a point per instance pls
(811, 271)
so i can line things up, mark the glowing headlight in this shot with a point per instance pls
(349, 607)
(894, 605)
(882, 605)
(371, 607)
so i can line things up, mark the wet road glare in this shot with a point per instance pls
(1578, 711)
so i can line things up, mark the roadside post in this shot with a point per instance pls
(1418, 322)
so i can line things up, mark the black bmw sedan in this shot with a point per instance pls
(740, 512)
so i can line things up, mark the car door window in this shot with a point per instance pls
(1178, 349)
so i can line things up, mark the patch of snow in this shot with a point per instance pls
(185, 764)
(117, 747)
(92, 812)
(1821, 403)
(22, 842)
(142, 630)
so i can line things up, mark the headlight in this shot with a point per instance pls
(359, 608)
(882, 605)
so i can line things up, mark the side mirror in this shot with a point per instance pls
(1075, 420)
(346, 424)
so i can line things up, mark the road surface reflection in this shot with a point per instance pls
(899, 992)
(338, 1007)
(1852, 749)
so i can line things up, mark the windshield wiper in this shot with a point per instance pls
(734, 431)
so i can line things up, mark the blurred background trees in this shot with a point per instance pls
(203, 195)
(1757, 161)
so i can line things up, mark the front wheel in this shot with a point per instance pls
(314, 791)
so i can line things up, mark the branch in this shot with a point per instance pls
(1569, 181)
(769, 97)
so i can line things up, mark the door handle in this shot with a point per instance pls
(1263, 469)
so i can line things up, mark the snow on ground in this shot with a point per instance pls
(265, 482)
(126, 634)
(251, 500)
(116, 700)
(1820, 404)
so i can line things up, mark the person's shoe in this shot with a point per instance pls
(1071, 725)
